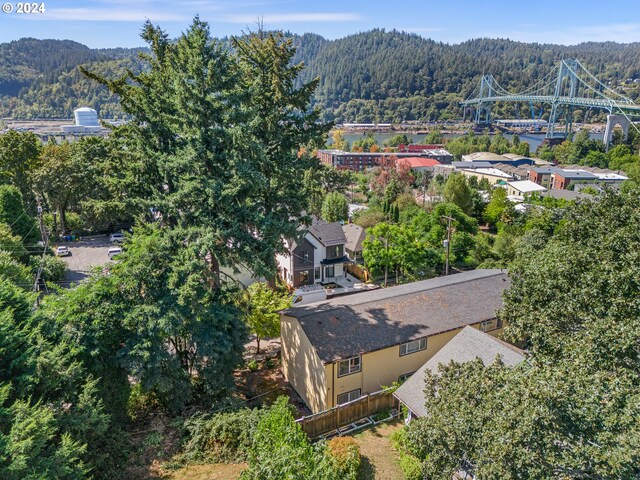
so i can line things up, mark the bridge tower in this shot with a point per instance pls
(483, 110)
(612, 121)
(567, 84)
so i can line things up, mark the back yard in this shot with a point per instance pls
(379, 459)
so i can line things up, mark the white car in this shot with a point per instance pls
(113, 251)
(117, 237)
(62, 251)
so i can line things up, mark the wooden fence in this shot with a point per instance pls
(342, 416)
(357, 271)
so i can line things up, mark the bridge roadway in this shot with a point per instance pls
(606, 103)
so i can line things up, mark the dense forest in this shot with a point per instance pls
(375, 76)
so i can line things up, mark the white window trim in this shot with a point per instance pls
(422, 345)
(357, 391)
(352, 370)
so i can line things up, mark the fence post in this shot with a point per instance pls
(338, 425)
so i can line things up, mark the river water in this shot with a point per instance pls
(533, 140)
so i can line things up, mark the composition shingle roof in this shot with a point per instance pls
(355, 235)
(469, 344)
(352, 325)
(328, 234)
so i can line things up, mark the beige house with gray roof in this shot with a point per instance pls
(337, 350)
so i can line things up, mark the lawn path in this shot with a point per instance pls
(379, 459)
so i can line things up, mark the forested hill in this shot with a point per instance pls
(371, 76)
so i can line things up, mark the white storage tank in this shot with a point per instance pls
(86, 117)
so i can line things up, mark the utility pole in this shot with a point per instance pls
(447, 242)
(45, 238)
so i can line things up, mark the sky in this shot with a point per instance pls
(117, 23)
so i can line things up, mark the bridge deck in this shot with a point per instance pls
(583, 102)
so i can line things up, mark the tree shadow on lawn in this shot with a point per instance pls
(367, 470)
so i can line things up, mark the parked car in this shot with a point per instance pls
(117, 237)
(62, 251)
(113, 251)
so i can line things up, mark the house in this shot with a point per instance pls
(355, 235)
(316, 257)
(519, 189)
(337, 350)
(466, 346)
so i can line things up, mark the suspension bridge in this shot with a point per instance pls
(569, 85)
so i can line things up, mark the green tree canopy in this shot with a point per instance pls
(571, 409)
(261, 305)
(457, 191)
(14, 214)
(335, 207)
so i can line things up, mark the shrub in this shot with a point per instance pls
(281, 450)
(141, 403)
(253, 365)
(410, 465)
(345, 453)
(382, 415)
(53, 267)
(223, 437)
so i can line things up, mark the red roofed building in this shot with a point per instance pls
(420, 163)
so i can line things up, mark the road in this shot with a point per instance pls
(85, 255)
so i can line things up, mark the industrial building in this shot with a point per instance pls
(86, 121)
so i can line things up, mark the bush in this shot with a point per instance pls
(382, 414)
(223, 437)
(141, 403)
(53, 269)
(253, 365)
(345, 452)
(410, 465)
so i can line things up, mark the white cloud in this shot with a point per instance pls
(293, 17)
(108, 15)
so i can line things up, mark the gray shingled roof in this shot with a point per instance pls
(369, 321)
(355, 235)
(328, 234)
(466, 346)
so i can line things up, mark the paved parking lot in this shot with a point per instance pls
(85, 255)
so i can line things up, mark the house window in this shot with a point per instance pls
(305, 255)
(347, 367)
(403, 378)
(414, 346)
(330, 271)
(334, 252)
(489, 325)
(317, 273)
(349, 396)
